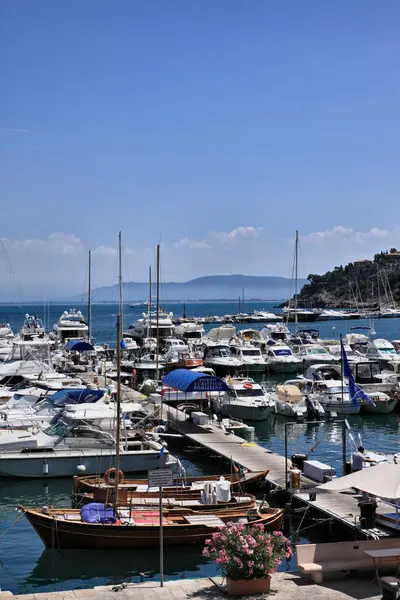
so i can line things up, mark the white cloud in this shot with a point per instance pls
(55, 243)
(110, 251)
(345, 233)
(215, 238)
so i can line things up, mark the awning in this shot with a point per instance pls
(75, 396)
(186, 380)
(78, 346)
(382, 481)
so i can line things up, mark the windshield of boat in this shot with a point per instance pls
(387, 351)
(58, 427)
(245, 393)
(337, 390)
(282, 352)
(223, 352)
(317, 351)
(248, 352)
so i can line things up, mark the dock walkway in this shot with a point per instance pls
(248, 455)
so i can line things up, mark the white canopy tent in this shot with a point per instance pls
(382, 481)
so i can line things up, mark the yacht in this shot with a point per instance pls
(335, 397)
(358, 338)
(275, 333)
(191, 332)
(27, 358)
(265, 315)
(353, 356)
(331, 315)
(70, 326)
(146, 327)
(280, 359)
(251, 357)
(311, 354)
(246, 400)
(220, 335)
(32, 327)
(382, 351)
(74, 444)
(252, 336)
(220, 358)
(299, 315)
(294, 402)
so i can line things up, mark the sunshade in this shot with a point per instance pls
(382, 481)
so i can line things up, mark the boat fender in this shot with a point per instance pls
(45, 467)
(109, 476)
(81, 468)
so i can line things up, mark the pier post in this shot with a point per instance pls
(161, 542)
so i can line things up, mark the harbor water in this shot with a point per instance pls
(26, 567)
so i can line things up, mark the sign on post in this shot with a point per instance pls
(160, 478)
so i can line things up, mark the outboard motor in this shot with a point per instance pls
(312, 409)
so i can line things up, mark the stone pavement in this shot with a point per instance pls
(284, 586)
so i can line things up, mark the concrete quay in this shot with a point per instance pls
(284, 586)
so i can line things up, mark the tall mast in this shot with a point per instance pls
(296, 269)
(158, 310)
(90, 298)
(118, 417)
(243, 300)
(149, 306)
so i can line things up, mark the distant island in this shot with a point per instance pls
(210, 287)
(370, 283)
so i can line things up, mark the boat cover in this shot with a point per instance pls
(95, 512)
(186, 380)
(75, 396)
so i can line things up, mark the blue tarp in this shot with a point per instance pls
(96, 512)
(75, 396)
(189, 381)
(78, 346)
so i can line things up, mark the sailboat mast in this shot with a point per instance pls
(243, 300)
(296, 269)
(90, 298)
(149, 306)
(118, 416)
(158, 311)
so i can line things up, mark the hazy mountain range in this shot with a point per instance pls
(211, 287)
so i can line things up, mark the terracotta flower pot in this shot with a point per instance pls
(248, 587)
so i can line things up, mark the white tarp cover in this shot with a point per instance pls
(382, 481)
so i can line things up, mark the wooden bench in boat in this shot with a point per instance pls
(341, 556)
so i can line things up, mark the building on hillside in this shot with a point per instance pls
(391, 260)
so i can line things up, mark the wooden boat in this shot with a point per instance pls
(61, 528)
(99, 490)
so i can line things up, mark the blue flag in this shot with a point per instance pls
(356, 393)
(123, 344)
(161, 452)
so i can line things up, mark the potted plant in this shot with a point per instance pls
(247, 555)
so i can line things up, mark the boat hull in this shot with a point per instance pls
(49, 465)
(246, 413)
(59, 533)
(382, 407)
(284, 367)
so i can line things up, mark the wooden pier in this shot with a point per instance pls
(339, 507)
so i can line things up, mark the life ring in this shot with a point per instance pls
(112, 471)
(248, 385)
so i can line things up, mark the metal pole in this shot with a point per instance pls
(286, 456)
(344, 440)
(158, 312)
(90, 298)
(296, 258)
(161, 543)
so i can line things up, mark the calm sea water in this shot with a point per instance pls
(26, 567)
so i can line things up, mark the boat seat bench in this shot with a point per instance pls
(316, 559)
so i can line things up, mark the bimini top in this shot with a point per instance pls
(186, 380)
(78, 346)
(75, 396)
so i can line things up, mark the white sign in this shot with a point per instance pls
(160, 478)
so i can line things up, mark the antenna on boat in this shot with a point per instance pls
(149, 306)
(90, 298)
(119, 341)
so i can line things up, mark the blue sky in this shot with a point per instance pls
(220, 127)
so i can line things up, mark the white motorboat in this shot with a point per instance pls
(311, 354)
(70, 326)
(331, 315)
(146, 327)
(190, 331)
(383, 351)
(353, 356)
(252, 336)
(276, 333)
(250, 356)
(358, 338)
(31, 328)
(220, 358)
(335, 397)
(291, 401)
(27, 359)
(265, 315)
(246, 400)
(280, 359)
(299, 315)
(220, 335)
(72, 445)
